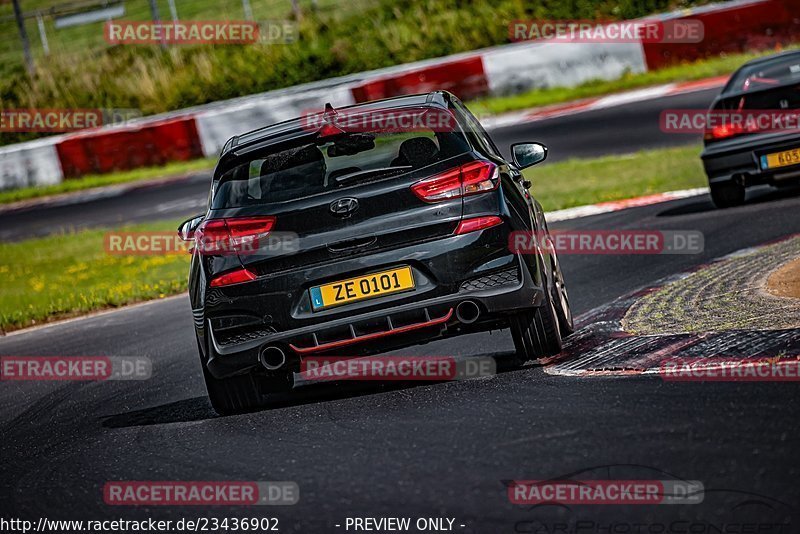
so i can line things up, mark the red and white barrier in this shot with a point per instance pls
(729, 27)
(464, 76)
(30, 164)
(146, 144)
(532, 65)
(509, 69)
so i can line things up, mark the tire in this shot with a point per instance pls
(727, 194)
(236, 394)
(240, 393)
(561, 300)
(536, 332)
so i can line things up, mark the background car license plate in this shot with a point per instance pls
(781, 159)
(362, 287)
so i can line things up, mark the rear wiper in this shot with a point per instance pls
(372, 172)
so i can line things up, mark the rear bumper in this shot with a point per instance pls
(397, 323)
(739, 160)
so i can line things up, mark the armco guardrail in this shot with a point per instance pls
(507, 69)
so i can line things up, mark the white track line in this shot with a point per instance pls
(607, 207)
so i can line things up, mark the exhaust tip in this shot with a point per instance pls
(467, 312)
(272, 358)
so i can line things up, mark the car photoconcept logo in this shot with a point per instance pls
(344, 207)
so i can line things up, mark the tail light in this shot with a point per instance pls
(231, 236)
(477, 223)
(233, 277)
(723, 131)
(468, 179)
(737, 120)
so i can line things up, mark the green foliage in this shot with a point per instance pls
(337, 39)
(72, 274)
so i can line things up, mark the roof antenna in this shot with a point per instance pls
(329, 127)
(329, 112)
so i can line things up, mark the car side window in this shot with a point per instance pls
(477, 130)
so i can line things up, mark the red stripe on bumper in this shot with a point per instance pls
(376, 335)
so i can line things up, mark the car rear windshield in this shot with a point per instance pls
(773, 73)
(315, 165)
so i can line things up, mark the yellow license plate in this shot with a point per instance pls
(781, 159)
(362, 287)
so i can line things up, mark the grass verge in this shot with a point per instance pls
(67, 275)
(578, 182)
(175, 168)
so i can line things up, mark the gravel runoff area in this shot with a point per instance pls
(785, 281)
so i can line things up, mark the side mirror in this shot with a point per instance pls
(527, 154)
(187, 227)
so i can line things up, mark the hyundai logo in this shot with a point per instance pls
(344, 207)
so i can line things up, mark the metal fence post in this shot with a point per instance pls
(23, 35)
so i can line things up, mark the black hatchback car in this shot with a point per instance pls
(360, 230)
(759, 143)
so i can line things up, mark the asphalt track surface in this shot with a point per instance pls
(428, 450)
(620, 129)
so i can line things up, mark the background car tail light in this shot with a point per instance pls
(468, 179)
(477, 223)
(218, 236)
(723, 131)
(233, 277)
